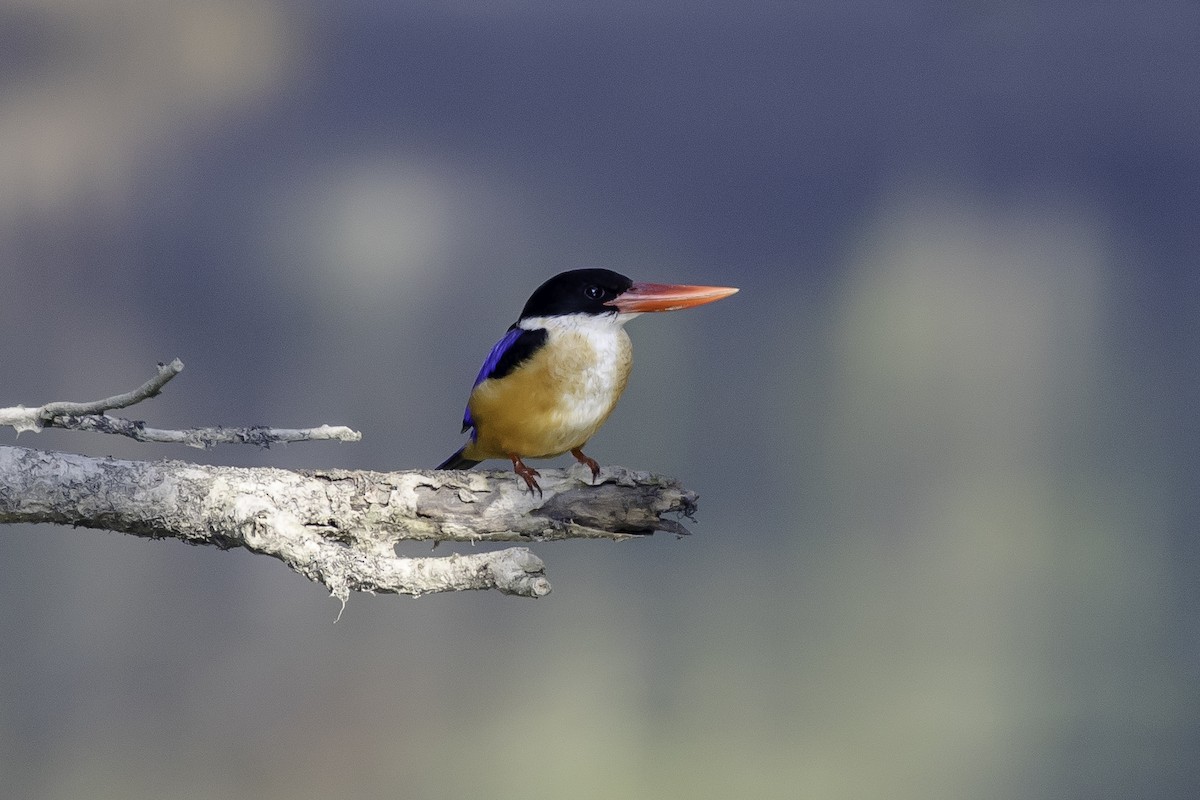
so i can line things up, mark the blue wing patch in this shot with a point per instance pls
(516, 346)
(489, 363)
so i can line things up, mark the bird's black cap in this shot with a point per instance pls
(579, 291)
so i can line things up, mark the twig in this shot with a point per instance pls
(204, 438)
(91, 417)
(149, 389)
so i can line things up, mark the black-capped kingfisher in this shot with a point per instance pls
(556, 376)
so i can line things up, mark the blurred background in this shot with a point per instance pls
(945, 438)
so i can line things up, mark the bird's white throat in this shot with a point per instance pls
(595, 355)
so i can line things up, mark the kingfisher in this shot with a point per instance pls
(556, 375)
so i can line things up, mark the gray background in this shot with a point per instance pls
(945, 438)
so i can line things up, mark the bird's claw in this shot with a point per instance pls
(528, 473)
(588, 462)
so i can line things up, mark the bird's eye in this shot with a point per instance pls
(594, 292)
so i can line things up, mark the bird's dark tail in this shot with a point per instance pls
(457, 461)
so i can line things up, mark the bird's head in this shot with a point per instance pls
(602, 292)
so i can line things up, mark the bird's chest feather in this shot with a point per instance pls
(589, 371)
(558, 398)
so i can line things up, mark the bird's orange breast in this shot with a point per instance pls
(554, 401)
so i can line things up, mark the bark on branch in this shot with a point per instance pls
(341, 527)
(337, 527)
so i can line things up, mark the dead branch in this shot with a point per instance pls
(338, 527)
(341, 527)
(91, 416)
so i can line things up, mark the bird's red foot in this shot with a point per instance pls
(528, 473)
(587, 461)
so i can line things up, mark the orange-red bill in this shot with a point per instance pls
(667, 297)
